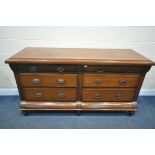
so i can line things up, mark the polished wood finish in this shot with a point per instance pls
(79, 79)
(39, 55)
(110, 80)
(114, 106)
(114, 69)
(45, 68)
(109, 94)
(85, 106)
(48, 80)
(46, 105)
(139, 86)
(50, 94)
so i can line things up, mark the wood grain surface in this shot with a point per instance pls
(108, 94)
(50, 94)
(110, 80)
(35, 55)
(48, 80)
(79, 78)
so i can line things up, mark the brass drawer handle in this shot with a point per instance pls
(60, 69)
(38, 95)
(33, 69)
(119, 96)
(61, 95)
(100, 69)
(122, 81)
(98, 81)
(61, 81)
(127, 70)
(85, 66)
(97, 95)
(36, 81)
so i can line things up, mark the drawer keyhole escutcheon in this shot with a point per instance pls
(61, 81)
(61, 95)
(60, 69)
(98, 81)
(97, 95)
(122, 81)
(36, 81)
(38, 95)
(119, 96)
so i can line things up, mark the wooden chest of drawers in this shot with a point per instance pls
(79, 79)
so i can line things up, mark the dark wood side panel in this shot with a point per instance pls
(20, 89)
(139, 86)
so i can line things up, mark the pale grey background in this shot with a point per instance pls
(13, 39)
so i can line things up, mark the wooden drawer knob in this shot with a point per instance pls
(119, 96)
(36, 81)
(61, 81)
(38, 95)
(61, 95)
(98, 81)
(97, 95)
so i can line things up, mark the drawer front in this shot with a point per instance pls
(50, 94)
(61, 68)
(45, 68)
(121, 94)
(114, 69)
(48, 80)
(110, 80)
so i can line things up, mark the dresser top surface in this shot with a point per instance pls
(42, 55)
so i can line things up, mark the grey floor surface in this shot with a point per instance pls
(11, 118)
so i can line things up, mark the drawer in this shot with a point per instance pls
(48, 80)
(44, 68)
(50, 94)
(110, 80)
(122, 94)
(114, 69)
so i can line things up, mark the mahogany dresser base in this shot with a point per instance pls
(95, 106)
